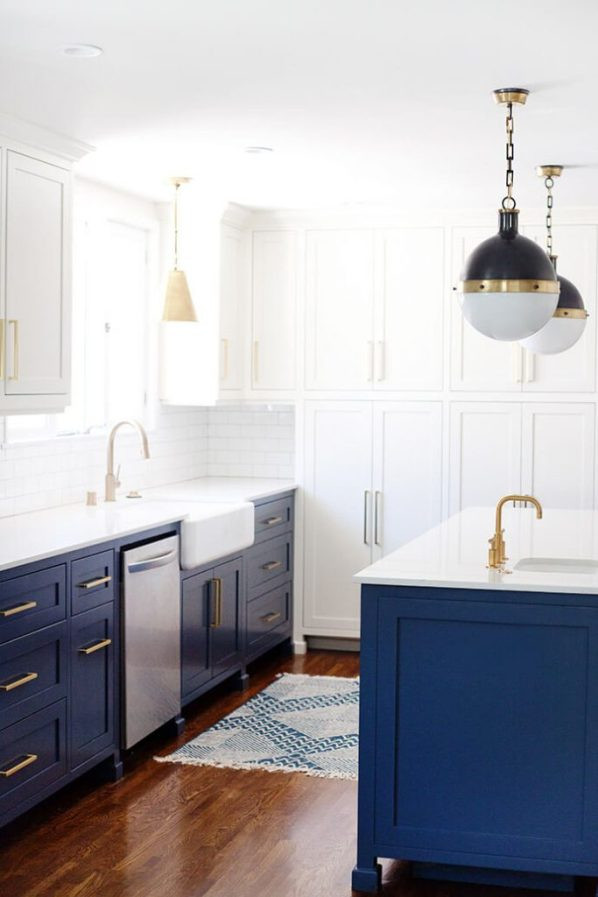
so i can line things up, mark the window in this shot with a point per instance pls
(113, 269)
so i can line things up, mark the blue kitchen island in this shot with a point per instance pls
(478, 757)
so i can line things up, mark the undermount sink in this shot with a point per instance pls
(556, 565)
(213, 530)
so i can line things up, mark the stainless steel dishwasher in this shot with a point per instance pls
(151, 638)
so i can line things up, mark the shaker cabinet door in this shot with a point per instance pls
(225, 620)
(195, 634)
(274, 331)
(37, 325)
(339, 350)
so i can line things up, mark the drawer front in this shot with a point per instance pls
(92, 581)
(268, 562)
(92, 683)
(32, 755)
(32, 673)
(32, 601)
(273, 517)
(271, 612)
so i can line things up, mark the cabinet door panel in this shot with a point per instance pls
(338, 513)
(407, 471)
(478, 362)
(195, 653)
(411, 289)
(485, 453)
(339, 310)
(575, 369)
(274, 310)
(226, 619)
(558, 454)
(37, 277)
(92, 683)
(232, 308)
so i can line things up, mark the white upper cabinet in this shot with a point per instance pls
(36, 314)
(410, 292)
(575, 369)
(339, 314)
(274, 311)
(338, 513)
(485, 453)
(558, 453)
(232, 309)
(478, 363)
(407, 472)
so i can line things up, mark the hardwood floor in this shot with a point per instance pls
(168, 830)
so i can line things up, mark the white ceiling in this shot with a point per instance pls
(363, 100)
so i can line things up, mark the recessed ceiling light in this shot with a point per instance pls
(257, 150)
(82, 51)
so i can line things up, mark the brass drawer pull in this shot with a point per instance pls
(15, 683)
(271, 521)
(272, 565)
(27, 760)
(93, 583)
(269, 618)
(97, 646)
(217, 620)
(17, 609)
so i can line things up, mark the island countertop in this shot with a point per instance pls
(454, 553)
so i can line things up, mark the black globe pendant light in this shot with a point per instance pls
(509, 289)
(568, 321)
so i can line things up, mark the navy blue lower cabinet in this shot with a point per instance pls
(225, 623)
(478, 733)
(195, 634)
(92, 683)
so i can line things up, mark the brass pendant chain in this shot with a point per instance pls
(549, 184)
(508, 202)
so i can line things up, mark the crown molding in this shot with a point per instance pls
(33, 135)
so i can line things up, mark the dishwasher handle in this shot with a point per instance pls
(151, 563)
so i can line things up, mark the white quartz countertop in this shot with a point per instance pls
(218, 489)
(454, 553)
(26, 538)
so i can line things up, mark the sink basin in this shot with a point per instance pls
(212, 530)
(556, 565)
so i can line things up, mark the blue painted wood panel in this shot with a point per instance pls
(478, 732)
(92, 684)
(195, 634)
(226, 642)
(33, 672)
(31, 601)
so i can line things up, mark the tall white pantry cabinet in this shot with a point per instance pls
(35, 268)
(404, 413)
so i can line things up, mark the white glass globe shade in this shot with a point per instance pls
(556, 336)
(508, 316)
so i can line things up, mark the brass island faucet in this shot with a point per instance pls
(496, 553)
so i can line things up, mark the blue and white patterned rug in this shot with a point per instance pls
(299, 723)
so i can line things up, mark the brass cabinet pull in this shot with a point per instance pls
(217, 618)
(15, 349)
(27, 760)
(97, 646)
(272, 520)
(366, 500)
(272, 565)
(15, 683)
(17, 609)
(269, 618)
(93, 583)
(2, 348)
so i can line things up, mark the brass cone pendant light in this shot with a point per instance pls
(568, 322)
(509, 289)
(178, 305)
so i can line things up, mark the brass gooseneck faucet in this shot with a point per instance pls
(497, 552)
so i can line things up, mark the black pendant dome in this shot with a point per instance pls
(511, 260)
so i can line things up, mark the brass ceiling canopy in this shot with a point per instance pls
(549, 171)
(511, 95)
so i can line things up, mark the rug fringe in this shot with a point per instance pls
(314, 678)
(315, 773)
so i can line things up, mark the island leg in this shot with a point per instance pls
(367, 874)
